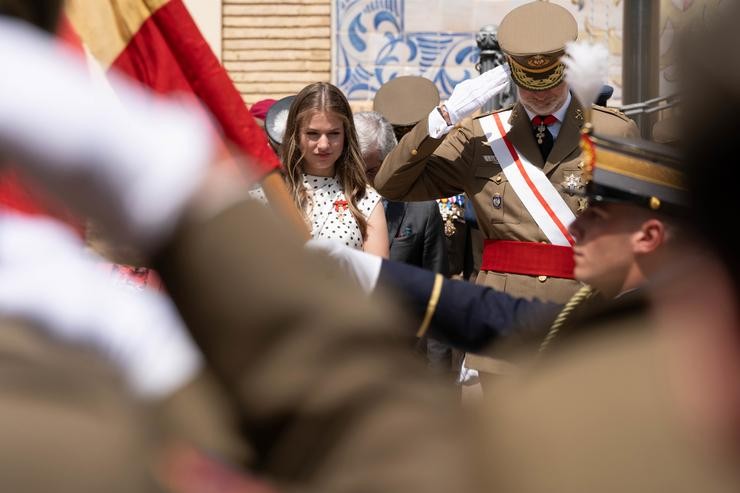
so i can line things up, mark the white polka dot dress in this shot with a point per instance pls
(330, 216)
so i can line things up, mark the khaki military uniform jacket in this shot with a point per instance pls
(423, 168)
(602, 415)
(67, 422)
(327, 388)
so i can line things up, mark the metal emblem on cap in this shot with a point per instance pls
(655, 203)
(572, 183)
(498, 201)
(538, 61)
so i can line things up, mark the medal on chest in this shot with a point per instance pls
(341, 207)
(541, 133)
(572, 183)
(452, 210)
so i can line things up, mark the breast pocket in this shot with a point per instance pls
(495, 194)
(402, 248)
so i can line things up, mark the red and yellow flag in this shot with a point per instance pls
(157, 43)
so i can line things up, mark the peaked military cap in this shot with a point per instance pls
(277, 119)
(634, 171)
(406, 100)
(533, 37)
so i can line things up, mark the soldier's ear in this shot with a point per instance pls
(650, 236)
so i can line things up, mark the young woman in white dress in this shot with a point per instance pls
(325, 172)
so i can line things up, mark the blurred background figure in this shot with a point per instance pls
(415, 229)
(407, 220)
(276, 119)
(259, 110)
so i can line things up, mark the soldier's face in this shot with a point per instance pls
(604, 255)
(321, 143)
(544, 102)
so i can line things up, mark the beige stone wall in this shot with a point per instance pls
(207, 15)
(273, 48)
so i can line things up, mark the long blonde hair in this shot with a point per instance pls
(349, 168)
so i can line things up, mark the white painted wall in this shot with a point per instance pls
(207, 15)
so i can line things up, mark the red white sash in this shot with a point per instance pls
(543, 202)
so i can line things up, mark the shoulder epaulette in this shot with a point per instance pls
(612, 111)
(508, 108)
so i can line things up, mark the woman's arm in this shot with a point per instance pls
(376, 241)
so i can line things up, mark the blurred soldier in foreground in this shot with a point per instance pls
(329, 400)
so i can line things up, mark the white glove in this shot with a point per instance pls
(121, 156)
(363, 267)
(467, 97)
(47, 279)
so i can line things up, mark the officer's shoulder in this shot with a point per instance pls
(501, 110)
(609, 113)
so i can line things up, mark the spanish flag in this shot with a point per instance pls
(157, 43)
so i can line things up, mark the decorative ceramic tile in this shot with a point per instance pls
(372, 47)
(377, 40)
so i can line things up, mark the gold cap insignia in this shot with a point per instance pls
(538, 61)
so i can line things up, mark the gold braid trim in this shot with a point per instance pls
(583, 294)
(431, 306)
(537, 84)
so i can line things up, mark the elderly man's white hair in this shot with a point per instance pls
(374, 132)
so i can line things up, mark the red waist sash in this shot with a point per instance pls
(529, 258)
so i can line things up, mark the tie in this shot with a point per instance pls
(542, 133)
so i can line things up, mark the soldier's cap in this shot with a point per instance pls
(533, 37)
(277, 119)
(634, 171)
(406, 100)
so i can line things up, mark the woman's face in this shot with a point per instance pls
(321, 141)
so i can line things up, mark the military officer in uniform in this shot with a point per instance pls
(636, 195)
(524, 219)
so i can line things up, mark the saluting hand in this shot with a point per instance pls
(467, 97)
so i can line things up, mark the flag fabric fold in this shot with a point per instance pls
(157, 43)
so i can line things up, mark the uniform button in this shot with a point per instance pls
(458, 126)
(498, 179)
(414, 152)
(581, 165)
(543, 241)
(542, 278)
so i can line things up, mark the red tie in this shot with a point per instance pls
(547, 120)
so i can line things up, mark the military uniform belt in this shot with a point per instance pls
(528, 258)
